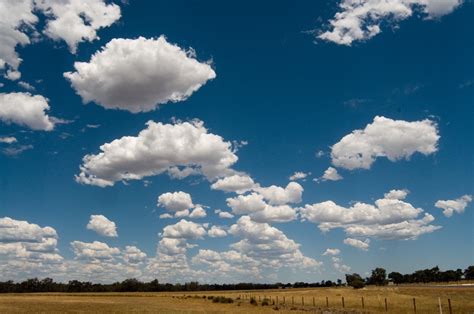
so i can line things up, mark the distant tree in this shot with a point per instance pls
(355, 281)
(339, 282)
(469, 273)
(396, 277)
(378, 277)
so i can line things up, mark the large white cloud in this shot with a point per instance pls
(75, 21)
(184, 230)
(387, 218)
(14, 16)
(139, 74)
(102, 225)
(133, 255)
(176, 201)
(26, 110)
(158, 149)
(360, 20)
(276, 195)
(384, 137)
(268, 245)
(27, 249)
(94, 250)
(236, 183)
(454, 206)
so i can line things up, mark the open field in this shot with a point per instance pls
(399, 300)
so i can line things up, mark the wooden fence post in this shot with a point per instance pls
(450, 309)
(302, 300)
(363, 305)
(440, 307)
(314, 303)
(386, 307)
(343, 305)
(277, 300)
(327, 302)
(414, 304)
(284, 300)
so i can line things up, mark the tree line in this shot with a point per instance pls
(378, 277)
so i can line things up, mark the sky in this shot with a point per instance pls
(232, 142)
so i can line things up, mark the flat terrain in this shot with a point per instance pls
(399, 300)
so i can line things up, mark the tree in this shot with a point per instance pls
(469, 273)
(396, 277)
(378, 277)
(355, 281)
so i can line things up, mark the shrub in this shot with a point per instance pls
(265, 302)
(253, 301)
(222, 300)
(210, 297)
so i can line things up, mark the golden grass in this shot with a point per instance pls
(399, 300)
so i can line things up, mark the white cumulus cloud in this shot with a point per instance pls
(139, 74)
(26, 110)
(102, 225)
(333, 252)
(236, 183)
(360, 20)
(384, 137)
(454, 206)
(158, 149)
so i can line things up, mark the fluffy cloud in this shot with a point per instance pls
(75, 21)
(332, 252)
(198, 212)
(14, 16)
(298, 175)
(8, 140)
(361, 245)
(331, 174)
(269, 245)
(216, 232)
(94, 250)
(27, 110)
(276, 195)
(246, 204)
(71, 20)
(236, 183)
(158, 149)
(176, 201)
(388, 218)
(133, 255)
(393, 139)
(254, 205)
(454, 206)
(184, 230)
(225, 215)
(102, 225)
(396, 194)
(360, 20)
(139, 74)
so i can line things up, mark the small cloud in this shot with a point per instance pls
(17, 150)
(26, 86)
(8, 140)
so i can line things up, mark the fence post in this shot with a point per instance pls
(277, 300)
(302, 300)
(284, 300)
(386, 307)
(414, 304)
(343, 305)
(314, 303)
(450, 309)
(363, 305)
(292, 300)
(440, 307)
(327, 302)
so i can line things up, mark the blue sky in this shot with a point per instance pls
(277, 87)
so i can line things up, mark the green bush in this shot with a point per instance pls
(222, 300)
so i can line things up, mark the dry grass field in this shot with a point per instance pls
(399, 300)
